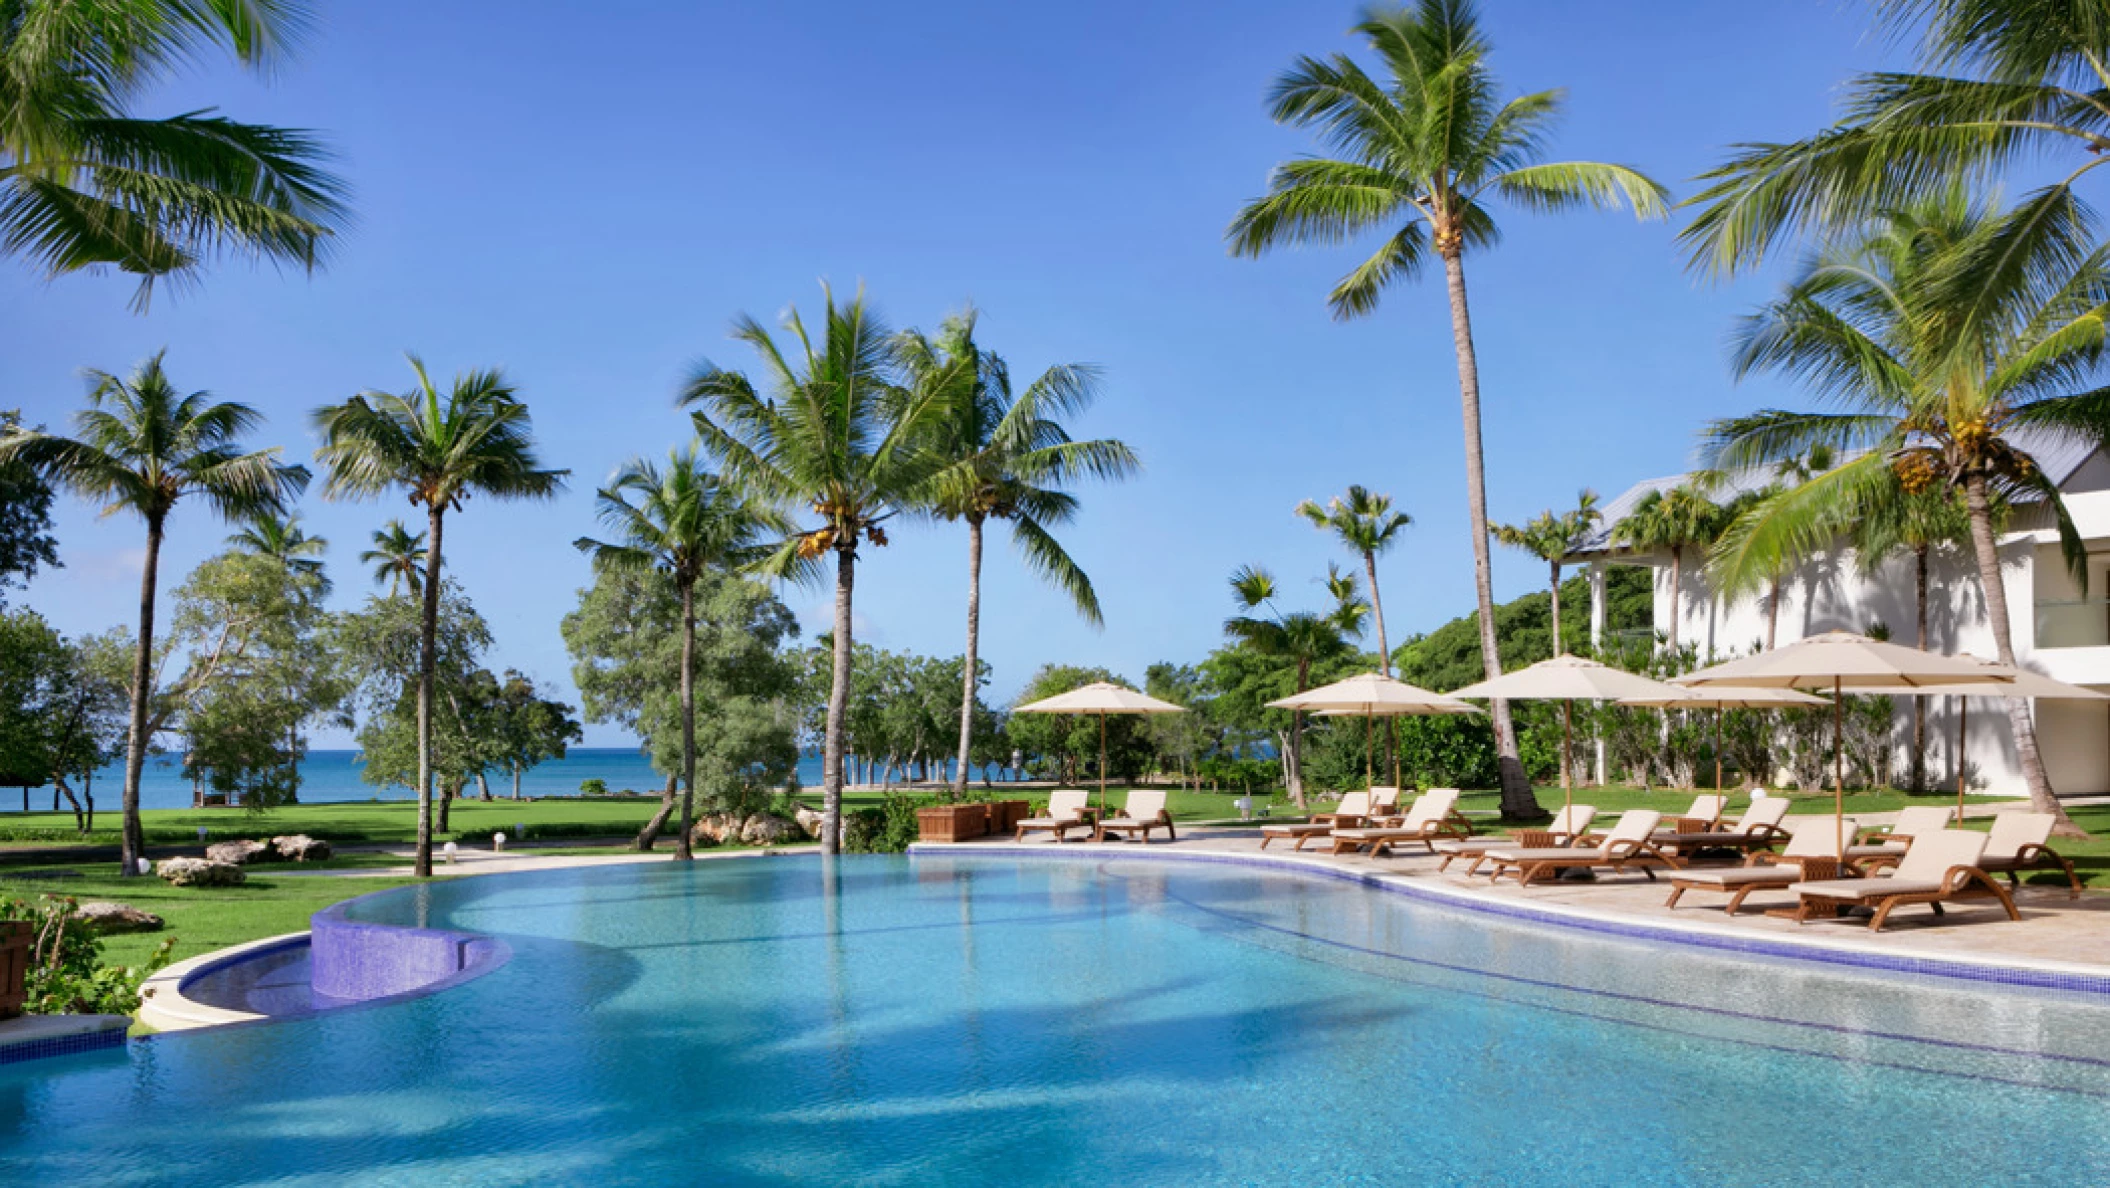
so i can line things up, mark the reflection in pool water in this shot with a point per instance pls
(989, 1020)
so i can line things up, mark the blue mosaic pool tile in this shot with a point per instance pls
(62, 1045)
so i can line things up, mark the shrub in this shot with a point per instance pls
(66, 971)
(593, 787)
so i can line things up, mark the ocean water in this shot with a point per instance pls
(1113, 1021)
(333, 776)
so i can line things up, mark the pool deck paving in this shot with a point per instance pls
(2060, 940)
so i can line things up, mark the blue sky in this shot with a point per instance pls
(589, 196)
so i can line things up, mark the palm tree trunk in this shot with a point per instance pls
(1773, 613)
(1919, 704)
(1555, 588)
(132, 844)
(2018, 715)
(1677, 583)
(1518, 804)
(1384, 647)
(838, 707)
(974, 633)
(428, 659)
(682, 852)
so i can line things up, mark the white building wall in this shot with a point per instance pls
(1830, 593)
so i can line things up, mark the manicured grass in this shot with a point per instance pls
(199, 919)
(357, 821)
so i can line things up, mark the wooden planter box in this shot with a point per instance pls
(1004, 815)
(14, 966)
(952, 822)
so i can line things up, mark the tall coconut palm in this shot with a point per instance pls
(141, 447)
(1676, 521)
(1300, 638)
(1936, 334)
(477, 439)
(1007, 458)
(2003, 83)
(837, 433)
(680, 520)
(1550, 537)
(1917, 523)
(1422, 154)
(398, 558)
(282, 539)
(84, 184)
(1365, 524)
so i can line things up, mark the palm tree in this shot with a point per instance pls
(1675, 520)
(282, 539)
(86, 185)
(1365, 524)
(1550, 538)
(476, 440)
(398, 558)
(1302, 638)
(1938, 334)
(141, 447)
(1422, 153)
(837, 433)
(679, 519)
(2004, 83)
(1006, 458)
(1916, 522)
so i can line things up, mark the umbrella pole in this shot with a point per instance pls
(1963, 715)
(1102, 763)
(1839, 768)
(1717, 750)
(1369, 771)
(1392, 735)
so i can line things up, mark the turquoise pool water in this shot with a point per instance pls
(1053, 1021)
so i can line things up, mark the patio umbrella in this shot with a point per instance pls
(1101, 698)
(2026, 684)
(1373, 695)
(1726, 697)
(1842, 661)
(1567, 679)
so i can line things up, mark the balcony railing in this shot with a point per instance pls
(2080, 624)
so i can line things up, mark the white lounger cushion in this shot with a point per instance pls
(2013, 832)
(1925, 865)
(1571, 820)
(1634, 825)
(1430, 809)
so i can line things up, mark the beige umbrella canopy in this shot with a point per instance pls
(1727, 697)
(1101, 698)
(1841, 662)
(1567, 679)
(1373, 695)
(2025, 684)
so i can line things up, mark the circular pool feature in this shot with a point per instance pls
(1113, 1020)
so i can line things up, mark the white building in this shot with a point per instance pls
(2058, 630)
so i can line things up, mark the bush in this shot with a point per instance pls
(66, 971)
(593, 787)
(886, 829)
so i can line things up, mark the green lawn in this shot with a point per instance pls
(358, 821)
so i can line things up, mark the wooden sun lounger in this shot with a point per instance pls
(1352, 811)
(1759, 828)
(1940, 867)
(1429, 820)
(1568, 824)
(1627, 846)
(1811, 855)
(1144, 812)
(2017, 844)
(1066, 811)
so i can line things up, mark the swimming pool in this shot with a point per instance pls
(1057, 1020)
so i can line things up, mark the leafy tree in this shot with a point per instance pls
(1182, 740)
(34, 667)
(477, 439)
(394, 651)
(626, 642)
(25, 517)
(527, 728)
(838, 434)
(84, 184)
(398, 558)
(680, 520)
(1551, 536)
(1297, 639)
(142, 446)
(1421, 152)
(1006, 458)
(1071, 741)
(1939, 335)
(283, 540)
(1916, 523)
(1449, 657)
(1674, 521)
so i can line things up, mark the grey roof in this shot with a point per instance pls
(2060, 454)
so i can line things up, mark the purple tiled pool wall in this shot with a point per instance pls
(351, 961)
